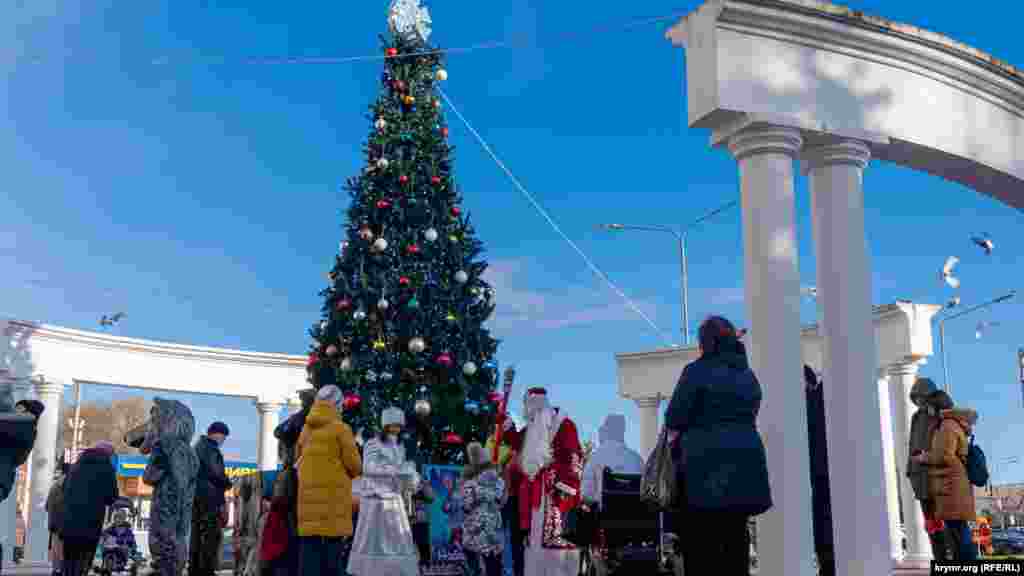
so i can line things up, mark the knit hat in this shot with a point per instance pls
(33, 407)
(218, 428)
(392, 416)
(330, 393)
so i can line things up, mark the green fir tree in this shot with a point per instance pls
(404, 312)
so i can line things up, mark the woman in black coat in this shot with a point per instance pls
(723, 469)
(90, 487)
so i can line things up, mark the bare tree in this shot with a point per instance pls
(107, 421)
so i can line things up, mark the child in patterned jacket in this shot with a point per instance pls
(483, 495)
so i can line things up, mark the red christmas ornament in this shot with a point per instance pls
(332, 350)
(444, 359)
(343, 304)
(392, 52)
(435, 180)
(351, 401)
(413, 249)
(313, 359)
(452, 438)
(494, 397)
(365, 233)
(403, 281)
(444, 131)
(456, 211)
(403, 179)
(382, 204)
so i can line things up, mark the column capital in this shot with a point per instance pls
(269, 405)
(47, 386)
(834, 151)
(765, 139)
(906, 368)
(648, 401)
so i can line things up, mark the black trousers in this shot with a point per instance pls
(421, 536)
(510, 517)
(79, 554)
(481, 565)
(207, 536)
(715, 543)
(320, 556)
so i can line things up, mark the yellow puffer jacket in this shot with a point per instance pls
(328, 461)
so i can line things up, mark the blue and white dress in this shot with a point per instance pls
(383, 543)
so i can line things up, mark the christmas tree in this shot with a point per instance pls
(404, 310)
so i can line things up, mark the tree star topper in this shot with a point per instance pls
(408, 19)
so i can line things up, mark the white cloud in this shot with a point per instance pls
(519, 307)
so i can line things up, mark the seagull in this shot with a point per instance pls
(111, 320)
(985, 242)
(947, 272)
(809, 292)
(953, 302)
(982, 326)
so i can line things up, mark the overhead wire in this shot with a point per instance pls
(554, 225)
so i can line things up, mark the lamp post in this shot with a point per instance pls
(680, 237)
(1020, 373)
(942, 331)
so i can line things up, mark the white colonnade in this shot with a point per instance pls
(40, 360)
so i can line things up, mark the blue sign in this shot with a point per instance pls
(446, 518)
(132, 466)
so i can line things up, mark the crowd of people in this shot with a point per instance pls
(344, 504)
(82, 493)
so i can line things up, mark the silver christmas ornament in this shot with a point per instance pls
(430, 234)
(409, 20)
(417, 345)
(380, 244)
(469, 368)
(359, 315)
(382, 163)
(346, 364)
(380, 124)
(382, 304)
(461, 277)
(422, 408)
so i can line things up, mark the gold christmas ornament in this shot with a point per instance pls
(379, 345)
(442, 75)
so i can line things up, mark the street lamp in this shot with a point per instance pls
(1020, 373)
(942, 331)
(680, 237)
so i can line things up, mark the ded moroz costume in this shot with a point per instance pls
(550, 466)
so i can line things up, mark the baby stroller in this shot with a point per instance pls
(631, 537)
(119, 554)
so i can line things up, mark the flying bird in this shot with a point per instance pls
(984, 242)
(982, 326)
(953, 302)
(111, 320)
(809, 292)
(947, 272)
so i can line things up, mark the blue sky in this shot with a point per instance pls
(201, 196)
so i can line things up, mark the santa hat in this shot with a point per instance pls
(392, 416)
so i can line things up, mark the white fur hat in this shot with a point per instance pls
(392, 416)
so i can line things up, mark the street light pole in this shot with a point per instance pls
(683, 267)
(947, 385)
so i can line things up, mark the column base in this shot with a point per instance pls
(29, 569)
(915, 562)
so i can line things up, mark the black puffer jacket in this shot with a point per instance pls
(211, 481)
(17, 435)
(90, 487)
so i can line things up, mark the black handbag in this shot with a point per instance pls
(580, 526)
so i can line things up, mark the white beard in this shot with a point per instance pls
(537, 444)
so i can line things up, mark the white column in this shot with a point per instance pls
(772, 286)
(901, 380)
(648, 423)
(267, 456)
(861, 535)
(44, 458)
(892, 498)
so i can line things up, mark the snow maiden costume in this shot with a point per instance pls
(551, 461)
(171, 471)
(383, 543)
